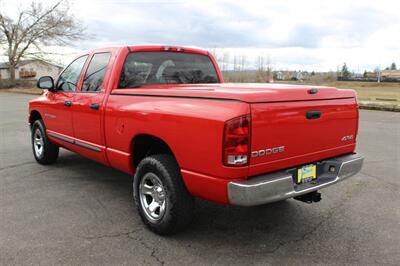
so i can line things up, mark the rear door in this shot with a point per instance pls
(58, 116)
(88, 106)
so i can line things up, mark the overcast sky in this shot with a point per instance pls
(309, 35)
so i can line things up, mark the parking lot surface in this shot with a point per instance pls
(80, 212)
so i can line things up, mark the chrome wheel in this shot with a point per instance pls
(152, 197)
(38, 142)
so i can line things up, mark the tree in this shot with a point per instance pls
(393, 66)
(35, 27)
(225, 60)
(264, 69)
(242, 63)
(345, 71)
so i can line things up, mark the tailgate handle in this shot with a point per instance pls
(313, 114)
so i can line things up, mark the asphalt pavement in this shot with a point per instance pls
(78, 212)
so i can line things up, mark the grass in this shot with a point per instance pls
(365, 90)
(20, 83)
(373, 90)
(368, 91)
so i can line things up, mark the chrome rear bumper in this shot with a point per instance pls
(280, 185)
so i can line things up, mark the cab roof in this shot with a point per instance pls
(153, 48)
(172, 48)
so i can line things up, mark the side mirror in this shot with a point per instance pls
(46, 83)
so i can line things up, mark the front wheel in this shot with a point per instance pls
(44, 151)
(160, 195)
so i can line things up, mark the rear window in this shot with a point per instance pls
(141, 68)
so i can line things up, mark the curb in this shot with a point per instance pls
(379, 106)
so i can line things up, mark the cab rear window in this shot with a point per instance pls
(142, 68)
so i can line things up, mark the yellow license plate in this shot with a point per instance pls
(306, 173)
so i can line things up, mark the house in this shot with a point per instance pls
(279, 75)
(390, 74)
(370, 74)
(30, 69)
(291, 75)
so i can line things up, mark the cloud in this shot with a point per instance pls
(310, 34)
(178, 23)
(307, 36)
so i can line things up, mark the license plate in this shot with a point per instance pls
(306, 173)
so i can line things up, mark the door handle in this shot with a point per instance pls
(313, 114)
(94, 106)
(67, 103)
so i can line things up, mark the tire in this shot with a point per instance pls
(158, 181)
(44, 151)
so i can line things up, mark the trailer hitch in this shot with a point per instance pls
(311, 197)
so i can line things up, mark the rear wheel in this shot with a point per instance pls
(161, 197)
(44, 151)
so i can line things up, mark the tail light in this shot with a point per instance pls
(236, 142)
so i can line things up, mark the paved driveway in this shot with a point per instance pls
(80, 212)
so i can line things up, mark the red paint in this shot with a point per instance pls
(285, 124)
(190, 119)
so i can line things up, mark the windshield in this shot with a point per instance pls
(142, 68)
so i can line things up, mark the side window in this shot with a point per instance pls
(69, 78)
(94, 76)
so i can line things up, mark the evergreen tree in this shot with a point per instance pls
(345, 71)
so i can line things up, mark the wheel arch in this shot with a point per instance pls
(33, 116)
(143, 145)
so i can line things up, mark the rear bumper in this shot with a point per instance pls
(279, 185)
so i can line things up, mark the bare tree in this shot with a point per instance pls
(34, 28)
(225, 60)
(264, 69)
(235, 61)
(214, 53)
(243, 63)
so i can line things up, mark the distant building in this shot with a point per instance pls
(30, 69)
(300, 75)
(370, 75)
(390, 74)
(291, 75)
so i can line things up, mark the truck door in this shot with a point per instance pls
(58, 115)
(88, 108)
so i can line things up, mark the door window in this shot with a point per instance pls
(94, 76)
(68, 80)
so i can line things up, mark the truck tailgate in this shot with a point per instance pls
(292, 133)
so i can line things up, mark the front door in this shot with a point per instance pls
(58, 114)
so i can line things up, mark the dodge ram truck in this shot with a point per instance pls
(164, 115)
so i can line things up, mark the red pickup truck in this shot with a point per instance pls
(164, 115)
